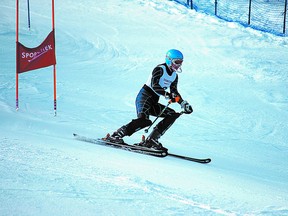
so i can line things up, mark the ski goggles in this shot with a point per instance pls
(177, 61)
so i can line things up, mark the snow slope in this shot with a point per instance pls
(235, 78)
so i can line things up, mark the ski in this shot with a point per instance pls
(198, 160)
(138, 149)
(123, 146)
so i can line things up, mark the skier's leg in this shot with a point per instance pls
(137, 124)
(169, 118)
(167, 122)
(143, 103)
(129, 129)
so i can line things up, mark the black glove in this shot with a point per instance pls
(173, 97)
(187, 108)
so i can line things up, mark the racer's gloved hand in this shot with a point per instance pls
(173, 97)
(187, 108)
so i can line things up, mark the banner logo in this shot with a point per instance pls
(38, 57)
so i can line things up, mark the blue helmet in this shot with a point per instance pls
(174, 59)
(173, 54)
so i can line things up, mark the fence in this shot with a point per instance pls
(264, 15)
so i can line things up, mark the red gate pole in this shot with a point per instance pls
(17, 64)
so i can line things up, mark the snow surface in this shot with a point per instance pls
(235, 78)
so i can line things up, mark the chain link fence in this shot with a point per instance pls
(264, 15)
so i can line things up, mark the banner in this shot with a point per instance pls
(38, 57)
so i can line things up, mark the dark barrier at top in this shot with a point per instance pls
(265, 15)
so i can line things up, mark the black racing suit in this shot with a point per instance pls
(147, 103)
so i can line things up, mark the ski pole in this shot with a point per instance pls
(146, 130)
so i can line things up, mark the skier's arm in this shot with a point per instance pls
(174, 90)
(187, 108)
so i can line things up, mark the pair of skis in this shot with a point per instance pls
(139, 149)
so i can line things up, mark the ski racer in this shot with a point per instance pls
(163, 77)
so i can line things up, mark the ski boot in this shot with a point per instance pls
(152, 141)
(117, 136)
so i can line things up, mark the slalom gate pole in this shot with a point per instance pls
(28, 7)
(17, 64)
(146, 130)
(54, 66)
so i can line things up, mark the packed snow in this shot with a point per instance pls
(234, 77)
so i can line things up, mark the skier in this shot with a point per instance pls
(163, 77)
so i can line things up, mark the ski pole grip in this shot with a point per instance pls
(174, 99)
